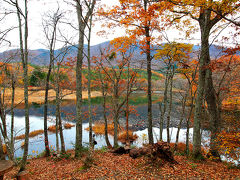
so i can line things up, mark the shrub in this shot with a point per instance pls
(31, 134)
(68, 125)
(228, 144)
(99, 128)
(122, 137)
(52, 128)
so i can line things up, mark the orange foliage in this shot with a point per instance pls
(122, 137)
(181, 148)
(52, 128)
(229, 143)
(68, 125)
(99, 128)
(31, 134)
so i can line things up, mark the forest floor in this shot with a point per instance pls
(106, 165)
(37, 95)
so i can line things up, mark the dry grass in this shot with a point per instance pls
(31, 134)
(99, 128)
(68, 125)
(122, 137)
(52, 128)
(36, 95)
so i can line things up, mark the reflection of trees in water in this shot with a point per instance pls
(138, 121)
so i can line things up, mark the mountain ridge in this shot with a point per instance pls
(41, 56)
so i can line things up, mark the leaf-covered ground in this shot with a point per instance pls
(109, 166)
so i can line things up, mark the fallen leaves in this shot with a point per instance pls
(109, 166)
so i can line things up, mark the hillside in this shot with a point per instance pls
(41, 56)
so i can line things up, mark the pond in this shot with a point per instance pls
(138, 123)
(36, 144)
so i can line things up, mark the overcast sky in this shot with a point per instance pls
(37, 9)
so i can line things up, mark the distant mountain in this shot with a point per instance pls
(41, 56)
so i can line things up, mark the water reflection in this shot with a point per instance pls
(36, 144)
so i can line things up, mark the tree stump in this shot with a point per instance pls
(5, 166)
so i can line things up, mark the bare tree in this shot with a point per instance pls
(50, 30)
(83, 19)
(22, 15)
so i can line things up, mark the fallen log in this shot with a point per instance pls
(158, 150)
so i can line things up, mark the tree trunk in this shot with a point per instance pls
(163, 110)
(188, 122)
(89, 87)
(46, 103)
(56, 81)
(210, 97)
(105, 114)
(12, 116)
(2, 157)
(24, 58)
(63, 151)
(170, 106)
(182, 117)
(115, 111)
(81, 26)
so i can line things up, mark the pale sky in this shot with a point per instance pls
(37, 9)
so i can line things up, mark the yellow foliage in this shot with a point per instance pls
(4, 148)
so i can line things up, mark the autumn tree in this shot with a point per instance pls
(22, 16)
(141, 19)
(50, 31)
(173, 55)
(204, 13)
(118, 80)
(7, 83)
(83, 19)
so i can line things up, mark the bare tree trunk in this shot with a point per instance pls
(105, 117)
(46, 103)
(58, 114)
(127, 105)
(188, 123)
(210, 97)
(149, 78)
(3, 112)
(170, 104)
(24, 58)
(63, 151)
(12, 115)
(2, 157)
(89, 86)
(115, 119)
(163, 110)
(182, 117)
(81, 26)
(57, 125)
